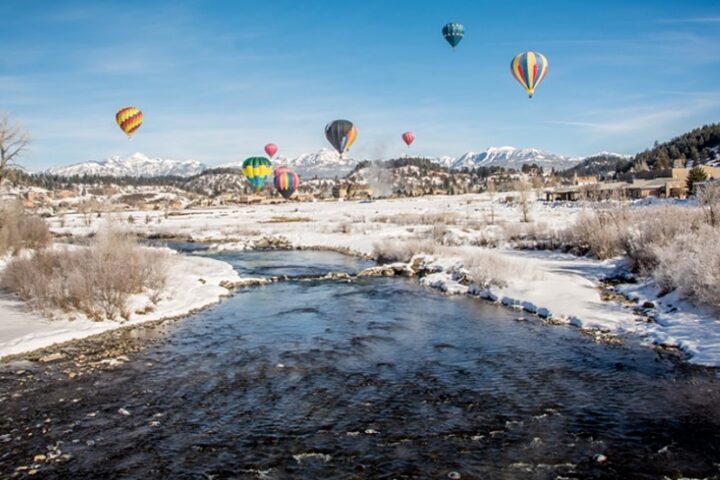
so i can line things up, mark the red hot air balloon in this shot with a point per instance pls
(408, 138)
(271, 149)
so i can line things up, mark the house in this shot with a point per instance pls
(591, 191)
(663, 187)
(588, 180)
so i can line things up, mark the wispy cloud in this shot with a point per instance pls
(629, 120)
(711, 19)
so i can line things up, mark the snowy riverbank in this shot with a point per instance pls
(565, 288)
(192, 284)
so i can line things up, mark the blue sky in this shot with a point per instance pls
(218, 80)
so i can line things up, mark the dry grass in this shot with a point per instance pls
(447, 218)
(97, 280)
(284, 219)
(18, 230)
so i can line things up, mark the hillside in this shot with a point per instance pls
(701, 145)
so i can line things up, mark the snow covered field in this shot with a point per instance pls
(558, 286)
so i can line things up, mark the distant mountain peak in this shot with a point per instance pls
(511, 157)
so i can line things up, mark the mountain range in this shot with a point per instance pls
(136, 165)
(323, 163)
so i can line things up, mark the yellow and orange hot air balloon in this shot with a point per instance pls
(129, 119)
(529, 69)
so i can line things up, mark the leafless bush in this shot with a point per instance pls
(600, 232)
(19, 230)
(690, 263)
(97, 280)
(709, 198)
(396, 250)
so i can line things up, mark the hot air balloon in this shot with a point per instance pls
(453, 33)
(408, 138)
(341, 134)
(129, 119)
(286, 182)
(529, 68)
(257, 170)
(271, 149)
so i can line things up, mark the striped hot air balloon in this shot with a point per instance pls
(129, 119)
(529, 68)
(286, 182)
(257, 170)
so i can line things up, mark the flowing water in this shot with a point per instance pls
(373, 378)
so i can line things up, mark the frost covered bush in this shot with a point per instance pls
(487, 269)
(97, 280)
(18, 230)
(394, 250)
(690, 263)
(653, 228)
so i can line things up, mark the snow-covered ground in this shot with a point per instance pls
(560, 286)
(192, 283)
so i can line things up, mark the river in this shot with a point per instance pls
(370, 378)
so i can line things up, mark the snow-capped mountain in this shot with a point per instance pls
(323, 163)
(511, 157)
(137, 165)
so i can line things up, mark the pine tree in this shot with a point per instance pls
(696, 174)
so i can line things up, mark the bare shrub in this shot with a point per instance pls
(690, 264)
(600, 232)
(19, 230)
(97, 280)
(708, 197)
(395, 250)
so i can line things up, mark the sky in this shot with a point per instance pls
(218, 80)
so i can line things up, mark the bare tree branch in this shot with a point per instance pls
(14, 140)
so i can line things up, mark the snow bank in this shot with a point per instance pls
(193, 283)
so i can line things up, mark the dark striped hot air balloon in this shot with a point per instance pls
(286, 182)
(341, 134)
(129, 120)
(453, 33)
(529, 69)
(257, 170)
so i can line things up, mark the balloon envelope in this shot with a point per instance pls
(529, 69)
(341, 134)
(271, 149)
(129, 120)
(453, 33)
(286, 182)
(408, 138)
(257, 170)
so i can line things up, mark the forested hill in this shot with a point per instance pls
(701, 145)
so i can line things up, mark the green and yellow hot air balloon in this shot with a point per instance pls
(257, 170)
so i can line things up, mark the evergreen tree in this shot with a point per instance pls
(696, 174)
